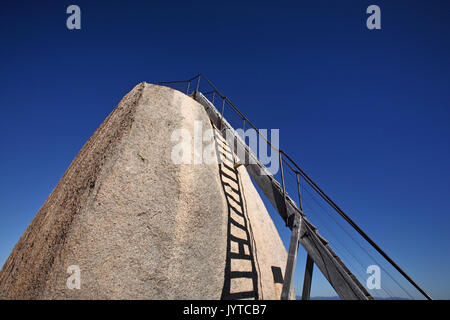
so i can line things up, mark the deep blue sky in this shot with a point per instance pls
(365, 113)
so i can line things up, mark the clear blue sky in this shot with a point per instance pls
(365, 113)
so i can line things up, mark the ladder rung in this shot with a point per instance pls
(242, 274)
(234, 255)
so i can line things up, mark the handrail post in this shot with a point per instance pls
(300, 205)
(188, 86)
(198, 82)
(284, 189)
(223, 109)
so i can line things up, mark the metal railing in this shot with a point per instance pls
(192, 85)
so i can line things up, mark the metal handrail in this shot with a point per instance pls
(298, 171)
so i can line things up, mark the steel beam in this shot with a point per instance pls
(292, 258)
(308, 278)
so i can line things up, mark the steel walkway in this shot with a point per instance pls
(344, 282)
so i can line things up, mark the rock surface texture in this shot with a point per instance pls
(140, 226)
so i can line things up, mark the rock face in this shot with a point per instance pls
(140, 226)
